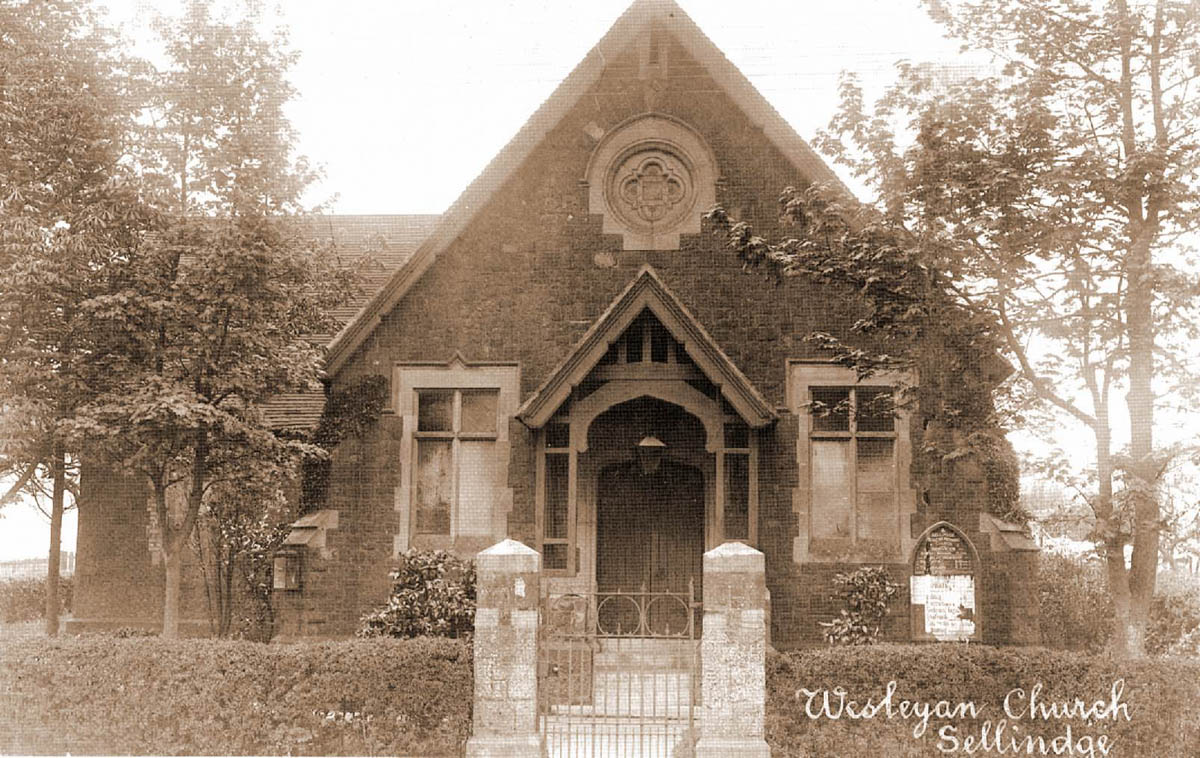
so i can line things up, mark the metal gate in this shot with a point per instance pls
(619, 673)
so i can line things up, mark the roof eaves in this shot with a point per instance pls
(703, 349)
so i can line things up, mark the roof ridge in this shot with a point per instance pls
(683, 325)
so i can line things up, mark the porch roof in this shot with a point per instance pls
(647, 291)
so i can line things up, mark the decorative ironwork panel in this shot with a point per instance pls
(619, 673)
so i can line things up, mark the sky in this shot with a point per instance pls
(403, 103)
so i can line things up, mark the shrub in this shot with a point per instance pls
(1174, 625)
(1076, 610)
(1075, 607)
(25, 599)
(96, 694)
(1161, 695)
(868, 593)
(433, 593)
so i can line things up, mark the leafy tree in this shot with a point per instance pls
(244, 520)
(67, 209)
(208, 317)
(1180, 515)
(1031, 212)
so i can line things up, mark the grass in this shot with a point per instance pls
(22, 631)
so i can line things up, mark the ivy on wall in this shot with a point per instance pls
(909, 322)
(350, 411)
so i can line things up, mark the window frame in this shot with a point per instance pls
(456, 375)
(456, 436)
(802, 376)
(572, 539)
(852, 434)
(720, 497)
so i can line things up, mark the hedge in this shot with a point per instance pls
(25, 599)
(1162, 694)
(103, 694)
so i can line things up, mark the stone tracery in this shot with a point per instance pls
(651, 178)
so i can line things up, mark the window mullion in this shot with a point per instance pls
(455, 458)
(853, 465)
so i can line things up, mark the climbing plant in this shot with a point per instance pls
(349, 412)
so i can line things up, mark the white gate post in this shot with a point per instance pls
(505, 719)
(733, 653)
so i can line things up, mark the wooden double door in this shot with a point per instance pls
(649, 538)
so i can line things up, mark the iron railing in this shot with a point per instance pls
(619, 672)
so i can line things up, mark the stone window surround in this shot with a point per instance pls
(802, 374)
(460, 374)
(653, 137)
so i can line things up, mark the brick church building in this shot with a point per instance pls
(575, 360)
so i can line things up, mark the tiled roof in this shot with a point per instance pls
(381, 244)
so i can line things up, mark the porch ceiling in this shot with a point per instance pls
(647, 290)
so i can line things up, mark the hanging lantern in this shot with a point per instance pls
(650, 452)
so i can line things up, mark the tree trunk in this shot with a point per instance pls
(175, 540)
(172, 562)
(1118, 588)
(53, 567)
(227, 591)
(1140, 401)
(1110, 537)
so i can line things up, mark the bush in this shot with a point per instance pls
(1174, 615)
(1076, 610)
(433, 593)
(100, 694)
(1161, 695)
(869, 593)
(25, 599)
(1074, 602)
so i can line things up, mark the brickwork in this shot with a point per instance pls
(118, 582)
(532, 272)
(522, 521)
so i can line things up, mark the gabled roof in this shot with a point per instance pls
(627, 28)
(647, 291)
(380, 245)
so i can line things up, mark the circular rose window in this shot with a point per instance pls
(650, 188)
(652, 178)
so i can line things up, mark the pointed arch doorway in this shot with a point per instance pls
(646, 367)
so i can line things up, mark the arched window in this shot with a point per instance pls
(943, 586)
